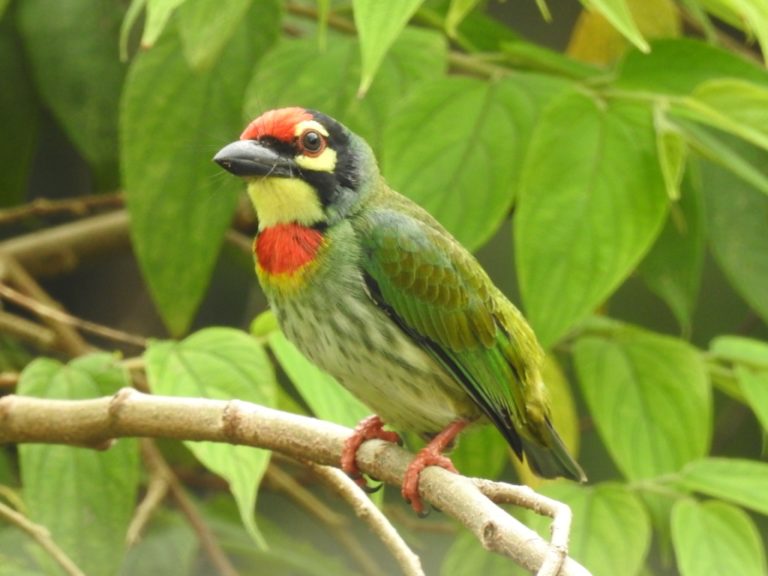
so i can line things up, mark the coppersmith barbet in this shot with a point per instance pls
(376, 292)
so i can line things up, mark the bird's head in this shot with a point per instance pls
(301, 167)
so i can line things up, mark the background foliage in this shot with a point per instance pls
(611, 164)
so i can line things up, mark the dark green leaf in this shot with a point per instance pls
(678, 66)
(173, 120)
(459, 9)
(588, 212)
(481, 452)
(649, 397)
(73, 49)
(18, 117)
(378, 26)
(736, 220)
(158, 16)
(456, 148)
(714, 538)
(326, 397)
(743, 482)
(672, 269)
(84, 497)
(220, 363)
(206, 28)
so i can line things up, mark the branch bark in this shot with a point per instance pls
(131, 413)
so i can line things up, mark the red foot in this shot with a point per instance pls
(430, 455)
(368, 429)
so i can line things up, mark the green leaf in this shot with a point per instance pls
(73, 52)
(649, 397)
(378, 26)
(169, 546)
(157, 18)
(205, 28)
(754, 386)
(735, 106)
(743, 482)
(220, 363)
(288, 74)
(79, 492)
(672, 150)
(323, 394)
(741, 350)
(714, 538)
(457, 11)
(18, 117)
(618, 14)
(746, 15)
(736, 221)
(610, 532)
(588, 212)
(672, 269)
(678, 66)
(482, 452)
(456, 148)
(173, 119)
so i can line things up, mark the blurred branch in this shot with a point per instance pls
(367, 511)
(79, 206)
(42, 537)
(132, 413)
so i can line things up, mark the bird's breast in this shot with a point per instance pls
(285, 253)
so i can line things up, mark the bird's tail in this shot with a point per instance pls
(549, 458)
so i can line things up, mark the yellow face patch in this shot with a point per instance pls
(283, 200)
(326, 160)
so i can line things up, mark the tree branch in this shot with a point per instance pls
(132, 413)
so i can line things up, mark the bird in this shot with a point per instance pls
(377, 293)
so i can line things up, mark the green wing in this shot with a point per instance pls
(442, 298)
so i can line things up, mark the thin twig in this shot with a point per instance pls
(78, 206)
(46, 311)
(525, 497)
(41, 535)
(26, 330)
(157, 465)
(335, 522)
(157, 490)
(131, 413)
(365, 509)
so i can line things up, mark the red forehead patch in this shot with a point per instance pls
(279, 124)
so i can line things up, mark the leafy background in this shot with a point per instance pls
(606, 161)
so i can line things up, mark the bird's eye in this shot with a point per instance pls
(312, 143)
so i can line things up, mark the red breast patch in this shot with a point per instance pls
(285, 248)
(280, 124)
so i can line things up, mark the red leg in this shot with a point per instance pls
(430, 455)
(367, 429)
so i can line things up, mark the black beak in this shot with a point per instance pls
(249, 158)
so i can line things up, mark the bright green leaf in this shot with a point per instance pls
(672, 150)
(714, 538)
(466, 139)
(322, 393)
(18, 117)
(220, 363)
(748, 15)
(587, 213)
(157, 17)
(672, 269)
(610, 532)
(741, 350)
(205, 27)
(378, 26)
(73, 52)
(649, 397)
(79, 492)
(617, 13)
(678, 66)
(482, 452)
(736, 221)
(743, 482)
(732, 105)
(754, 386)
(173, 119)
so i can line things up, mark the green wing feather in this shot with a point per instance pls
(440, 295)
